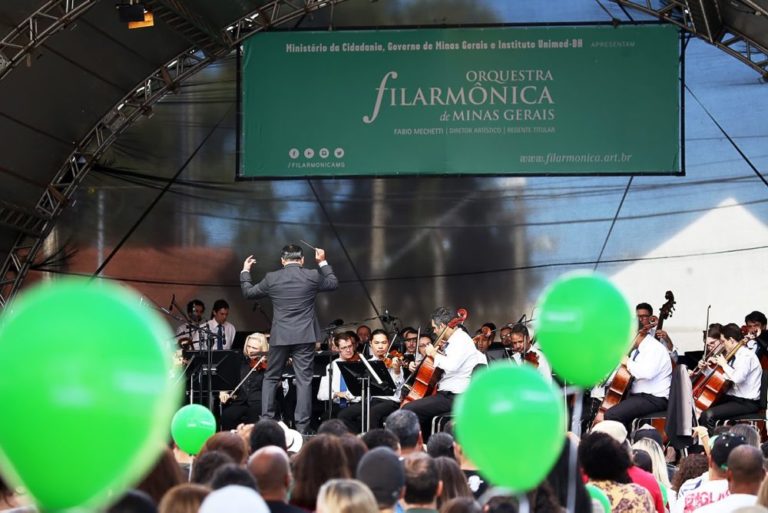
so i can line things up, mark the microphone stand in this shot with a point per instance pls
(365, 417)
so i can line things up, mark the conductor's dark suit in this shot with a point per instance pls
(295, 329)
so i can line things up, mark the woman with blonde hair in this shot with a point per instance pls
(244, 406)
(658, 461)
(183, 498)
(346, 496)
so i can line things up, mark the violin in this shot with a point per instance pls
(258, 364)
(532, 358)
(354, 358)
(389, 357)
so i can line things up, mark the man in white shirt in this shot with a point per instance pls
(650, 365)
(745, 474)
(745, 374)
(222, 332)
(523, 351)
(715, 487)
(188, 334)
(339, 394)
(457, 358)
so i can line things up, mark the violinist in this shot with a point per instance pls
(524, 351)
(381, 406)
(651, 367)
(341, 397)
(458, 358)
(756, 326)
(743, 371)
(244, 404)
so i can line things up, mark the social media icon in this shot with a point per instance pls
(338, 153)
(309, 153)
(293, 153)
(324, 153)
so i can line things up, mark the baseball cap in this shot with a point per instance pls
(612, 427)
(723, 446)
(382, 471)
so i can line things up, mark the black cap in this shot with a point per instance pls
(382, 471)
(723, 446)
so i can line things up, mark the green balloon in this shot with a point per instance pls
(86, 374)
(192, 426)
(529, 411)
(584, 326)
(598, 495)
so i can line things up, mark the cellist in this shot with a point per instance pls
(650, 366)
(457, 359)
(743, 371)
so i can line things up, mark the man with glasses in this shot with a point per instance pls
(332, 385)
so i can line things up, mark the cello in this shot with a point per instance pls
(426, 375)
(712, 382)
(622, 380)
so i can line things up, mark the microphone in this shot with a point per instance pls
(386, 317)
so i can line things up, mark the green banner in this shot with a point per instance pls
(535, 100)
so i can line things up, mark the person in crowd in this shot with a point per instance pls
(561, 479)
(422, 483)
(354, 450)
(333, 427)
(715, 487)
(458, 360)
(381, 437)
(245, 405)
(346, 496)
(132, 501)
(267, 432)
(524, 350)
(745, 472)
(440, 444)
(332, 384)
(183, 498)
(405, 426)
(272, 470)
(690, 467)
(218, 328)
(749, 433)
(163, 476)
(745, 374)
(232, 474)
(381, 406)
(453, 479)
(205, 465)
(382, 471)
(461, 505)
(321, 459)
(651, 367)
(605, 462)
(476, 482)
(227, 442)
(188, 334)
(234, 499)
(658, 462)
(295, 327)
(642, 459)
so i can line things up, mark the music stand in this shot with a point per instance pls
(361, 377)
(224, 370)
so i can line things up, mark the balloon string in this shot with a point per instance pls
(191, 464)
(525, 506)
(576, 392)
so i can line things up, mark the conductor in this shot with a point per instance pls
(295, 327)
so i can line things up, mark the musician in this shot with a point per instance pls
(644, 313)
(756, 326)
(340, 395)
(295, 327)
(411, 343)
(650, 365)
(381, 406)
(524, 351)
(745, 374)
(188, 333)
(458, 359)
(222, 332)
(245, 406)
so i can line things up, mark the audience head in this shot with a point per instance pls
(234, 499)
(422, 481)
(272, 470)
(184, 498)
(227, 442)
(647, 431)
(453, 479)
(642, 459)
(405, 425)
(345, 496)
(603, 458)
(164, 475)
(461, 505)
(380, 437)
(721, 449)
(354, 449)
(690, 466)
(440, 444)
(382, 471)
(657, 460)
(749, 433)
(134, 501)
(335, 427)
(745, 469)
(232, 474)
(267, 432)
(321, 459)
(561, 478)
(206, 464)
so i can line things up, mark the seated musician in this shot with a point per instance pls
(457, 360)
(381, 406)
(524, 351)
(332, 385)
(756, 326)
(244, 406)
(743, 371)
(644, 313)
(188, 334)
(410, 339)
(650, 365)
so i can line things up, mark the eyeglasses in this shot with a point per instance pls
(507, 336)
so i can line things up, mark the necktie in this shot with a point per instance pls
(220, 338)
(634, 356)
(342, 389)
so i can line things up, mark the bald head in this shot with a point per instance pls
(745, 469)
(271, 468)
